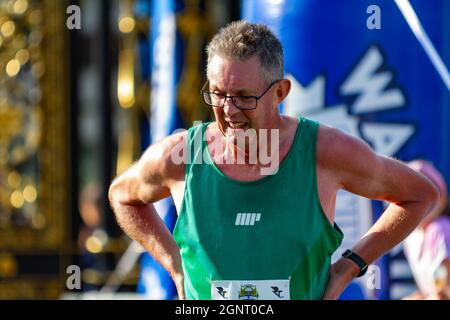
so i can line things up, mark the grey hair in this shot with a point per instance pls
(242, 40)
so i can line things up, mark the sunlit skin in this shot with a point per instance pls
(244, 77)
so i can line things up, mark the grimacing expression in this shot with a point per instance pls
(240, 78)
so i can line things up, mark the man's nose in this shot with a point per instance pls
(229, 108)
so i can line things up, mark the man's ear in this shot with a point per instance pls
(283, 89)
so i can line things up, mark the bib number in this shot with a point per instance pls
(250, 290)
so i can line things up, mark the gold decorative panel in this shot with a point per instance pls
(34, 137)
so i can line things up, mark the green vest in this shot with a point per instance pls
(272, 228)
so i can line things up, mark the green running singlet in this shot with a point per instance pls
(272, 228)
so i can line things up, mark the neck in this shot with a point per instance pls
(255, 150)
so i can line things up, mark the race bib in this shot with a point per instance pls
(250, 290)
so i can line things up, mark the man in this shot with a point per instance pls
(246, 229)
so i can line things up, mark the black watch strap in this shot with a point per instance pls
(349, 254)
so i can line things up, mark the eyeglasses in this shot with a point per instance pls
(241, 102)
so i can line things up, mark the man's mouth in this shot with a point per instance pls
(237, 125)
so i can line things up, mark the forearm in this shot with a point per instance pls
(394, 225)
(143, 224)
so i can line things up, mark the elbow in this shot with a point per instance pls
(117, 196)
(114, 194)
(123, 192)
(431, 196)
(115, 202)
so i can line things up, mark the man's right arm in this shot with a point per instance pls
(131, 196)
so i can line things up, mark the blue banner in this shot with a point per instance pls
(165, 53)
(379, 71)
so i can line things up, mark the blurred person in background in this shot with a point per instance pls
(91, 236)
(89, 206)
(427, 248)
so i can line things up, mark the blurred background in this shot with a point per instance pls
(86, 86)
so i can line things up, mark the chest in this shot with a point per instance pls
(253, 168)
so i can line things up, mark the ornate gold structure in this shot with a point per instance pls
(132, 91)
(34, 185)
(195, 28)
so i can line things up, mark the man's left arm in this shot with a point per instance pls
(358, 169)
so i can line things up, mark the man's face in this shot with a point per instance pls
(240, 78)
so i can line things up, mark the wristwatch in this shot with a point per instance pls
(349, 254)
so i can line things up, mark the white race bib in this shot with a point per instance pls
(250, 290)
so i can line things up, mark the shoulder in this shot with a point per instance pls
(336, 148)
(353, 165)
(331, 138)
(165, 159)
